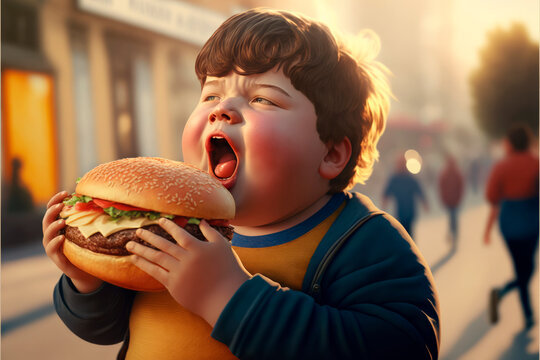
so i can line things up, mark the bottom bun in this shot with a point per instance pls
(117, 270)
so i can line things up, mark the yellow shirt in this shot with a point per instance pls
(162, 329)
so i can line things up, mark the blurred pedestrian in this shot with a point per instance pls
(474, 174)
(19, 198)
(451, 188)
(406, 191)
(512, 191)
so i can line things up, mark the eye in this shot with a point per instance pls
(210, 98)
(260, 100)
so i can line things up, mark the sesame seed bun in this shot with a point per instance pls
(158, 184)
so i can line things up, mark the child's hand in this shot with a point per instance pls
(202, 276)
(52, 242)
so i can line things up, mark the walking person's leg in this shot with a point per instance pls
(453, 225)
(497, 294)
(523, 255)
(522, 252)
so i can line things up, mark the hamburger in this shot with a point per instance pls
(114, 199)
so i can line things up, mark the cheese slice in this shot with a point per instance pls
(92, 222)
(70, 210)
(106, 226)
(82, 218)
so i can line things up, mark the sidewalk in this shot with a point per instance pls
(464, 280)
(31, 329)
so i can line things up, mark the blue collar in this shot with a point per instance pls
(292, 233)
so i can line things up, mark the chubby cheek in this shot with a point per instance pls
(193, 143)
(280, 166)
(269, 158)
(279, 177)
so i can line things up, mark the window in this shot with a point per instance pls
(19, 25)
(144, 106)
(84, 115)
(133, 97)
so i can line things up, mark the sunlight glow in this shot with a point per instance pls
(413, 161)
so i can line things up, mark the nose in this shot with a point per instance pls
(224, 112)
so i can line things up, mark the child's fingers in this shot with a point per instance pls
(52, 213)
(57, 198)
(54, 252)
(54, 210)
(54, 245)
(51, 230)
(150, 268)
(161, 258)
(162, 244)
(211, 234)
(182, 237)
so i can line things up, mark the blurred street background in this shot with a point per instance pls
(89, 81)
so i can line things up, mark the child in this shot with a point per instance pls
(287, 120)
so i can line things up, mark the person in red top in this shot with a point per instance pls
(512, 191)
(451, 188)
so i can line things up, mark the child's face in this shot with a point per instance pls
(271, 154)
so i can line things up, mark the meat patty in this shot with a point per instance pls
(115, 244)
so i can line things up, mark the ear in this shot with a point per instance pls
(336, 159)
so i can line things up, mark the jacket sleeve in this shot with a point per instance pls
(100, 317)
(378, 302)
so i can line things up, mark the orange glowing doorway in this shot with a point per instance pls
(29, 131)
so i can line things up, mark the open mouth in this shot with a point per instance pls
(222, 157)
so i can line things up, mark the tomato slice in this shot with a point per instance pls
(89, 206)
(218, 222)
(103, 203)
(125, 207)
(180, 221)
(106, 203)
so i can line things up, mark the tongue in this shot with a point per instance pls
(225, 166)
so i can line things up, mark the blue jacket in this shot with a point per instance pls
(406, 190)
(367, 294)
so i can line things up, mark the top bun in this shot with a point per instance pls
(161, 185)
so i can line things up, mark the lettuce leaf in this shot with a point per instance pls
(115, 213)
(76, 199)
(152, 215)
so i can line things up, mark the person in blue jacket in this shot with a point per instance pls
(406, 192)
(313, 271)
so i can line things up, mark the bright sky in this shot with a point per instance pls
(473, 18)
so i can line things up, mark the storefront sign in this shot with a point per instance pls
(169, 17)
